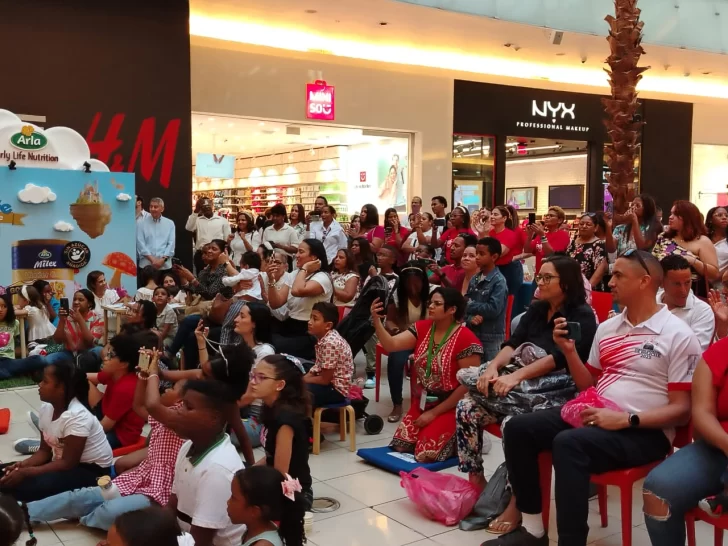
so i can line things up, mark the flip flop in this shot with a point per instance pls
(508, 527)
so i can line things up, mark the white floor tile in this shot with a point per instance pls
(456, 537)
(42, 532)
(68, 532)
(18, 407)
(363, 528)
(30, 395)
(347, 503)
(405, 512)
(370, 488)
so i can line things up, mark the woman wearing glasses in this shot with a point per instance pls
(442, 346)
(687, 237)
(562, 294)
(460, 220)
(547, 237)
(589, 251)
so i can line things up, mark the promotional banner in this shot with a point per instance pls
(215, 166)
(59, 225)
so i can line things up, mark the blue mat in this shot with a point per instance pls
(391, 461)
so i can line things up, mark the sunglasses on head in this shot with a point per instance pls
(634, 253)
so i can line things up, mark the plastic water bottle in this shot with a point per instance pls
(308, 523)
(108, 488)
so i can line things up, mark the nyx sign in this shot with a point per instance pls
(546, 110)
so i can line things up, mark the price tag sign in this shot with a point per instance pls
(320, 101)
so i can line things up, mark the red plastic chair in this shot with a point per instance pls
(509, 315)
(720, 524)
(141, 443)
(378, 353)
(625, 480)
(602, 303)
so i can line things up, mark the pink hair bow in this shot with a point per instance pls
(290, 487)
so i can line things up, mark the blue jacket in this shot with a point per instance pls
(488, 296)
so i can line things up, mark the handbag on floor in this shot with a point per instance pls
(492, 502)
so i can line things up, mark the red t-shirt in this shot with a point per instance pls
(392, 241)
(455, 274)
(447, 237)
(718, 363)
(509, 238)
(117, 406)
(521, 241)
(558, 240)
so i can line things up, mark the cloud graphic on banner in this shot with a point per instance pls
(36, 195)
(62, 226)
(123, 197)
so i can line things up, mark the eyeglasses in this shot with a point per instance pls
(256, 378)
(110, 354)
(435, 303)
(634, 253)
(545, 279)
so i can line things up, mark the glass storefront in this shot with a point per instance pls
(473, 167)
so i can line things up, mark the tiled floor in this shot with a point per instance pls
(374, 508)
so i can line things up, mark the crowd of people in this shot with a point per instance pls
(236, 351)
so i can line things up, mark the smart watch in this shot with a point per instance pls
(634, 420)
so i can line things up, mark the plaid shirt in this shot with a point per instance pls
(334, 353)
(153, 477)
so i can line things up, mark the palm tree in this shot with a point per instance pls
(623, 124)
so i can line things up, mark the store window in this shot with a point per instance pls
(709, 177)
(473, 169)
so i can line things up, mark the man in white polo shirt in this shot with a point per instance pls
(642, 360)
(280, 234)
(681, 301)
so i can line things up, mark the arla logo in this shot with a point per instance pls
(44, 254)
(44, 260)
(28, 139)
(545, 109)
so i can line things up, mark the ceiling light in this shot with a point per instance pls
(230, 124)
(237, 138)
(261, 124)
(210, 119)
(242, 147)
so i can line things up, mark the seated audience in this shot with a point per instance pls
(677, 294)
(345, 279)
(103, 294)
(113, 407)
(39, 324)
(165, 323)
(642, 361)
(246, 282)
(152, 526)
(140, 487)
(364, 259)
(50, 301)
(277, 380)
(73, 449)
(562, 298)
(299, 291)
(9, 329)
(329, 380)
(270, 506)
(79, 332)
(147, 278)
(441, 347)
(208, 282)
(452, 275)
(487, 297)
(170, 281)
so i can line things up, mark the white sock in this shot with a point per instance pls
(533, 523)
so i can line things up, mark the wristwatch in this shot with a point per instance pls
(634, 420)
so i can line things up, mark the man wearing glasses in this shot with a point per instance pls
(641, 360)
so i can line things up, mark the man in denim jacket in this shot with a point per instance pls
(487, 297)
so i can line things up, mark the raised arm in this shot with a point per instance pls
(401, 342)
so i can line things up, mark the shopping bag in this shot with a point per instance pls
(590, 398)
(439, 497)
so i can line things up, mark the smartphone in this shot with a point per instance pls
(176, 261)
(531, 218)
(64, 304)
(440, 222)
(609, 207)
(573, 331)
(315, 218)
(144, 360)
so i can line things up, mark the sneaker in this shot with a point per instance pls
(34, 420)
(487, 443)
(716, 505)
(518, 537)
(26, 446)
(370, 383)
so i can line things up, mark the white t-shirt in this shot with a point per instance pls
(250, 274)
(238, 248)
(39, 326)
(413, 241)
(75, 421)
(698, 315)
(144, 293)
(203, 490)
(339, 281)
(636, 366)
(262, 350)
(282, 312)
(284, 236)
(300, 308)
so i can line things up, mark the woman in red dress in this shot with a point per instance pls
(442, 345)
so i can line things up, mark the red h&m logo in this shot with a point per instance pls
(145, 152)
(320, 101)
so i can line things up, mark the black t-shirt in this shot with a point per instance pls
(298, 467)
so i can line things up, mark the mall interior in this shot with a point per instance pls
(253, 103)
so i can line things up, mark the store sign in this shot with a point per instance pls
(554, 116)
(320, 101)
(28, 139)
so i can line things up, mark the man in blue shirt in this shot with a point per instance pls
(155, 237)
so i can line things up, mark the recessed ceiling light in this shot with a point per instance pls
(230, 124)
(311, 11)
(262, 123)
(210, 119)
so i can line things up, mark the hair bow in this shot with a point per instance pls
(293, 360)
(290, 487)
(24, 292)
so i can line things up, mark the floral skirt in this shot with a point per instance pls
(434, 442)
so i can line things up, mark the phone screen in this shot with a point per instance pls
(64, 303)
(531, 217)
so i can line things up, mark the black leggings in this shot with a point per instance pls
(46, 485)
(291, 337)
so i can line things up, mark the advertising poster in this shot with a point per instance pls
(59, 225)
(215, 166)
(468, 195)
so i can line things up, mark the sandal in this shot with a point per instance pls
(396, 414)
(504, 527)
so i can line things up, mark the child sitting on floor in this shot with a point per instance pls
(147, 277)
(39, 324)
(170, 281)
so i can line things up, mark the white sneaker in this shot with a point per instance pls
(370, 383)
(487, 443)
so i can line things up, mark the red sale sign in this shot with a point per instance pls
(320, 101)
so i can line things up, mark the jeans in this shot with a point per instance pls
(324, 395)
(513, 272)
(577, 453)
(370, 348)
(88, 361)
(11, 367)
(185, 339)
(291, 337)
(86, 505)
(396, 363)
(46, 485)
(111, 436)
(693, 473)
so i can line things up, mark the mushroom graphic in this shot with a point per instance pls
(121, 264)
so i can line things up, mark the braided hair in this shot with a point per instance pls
(13, 516)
